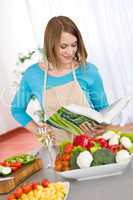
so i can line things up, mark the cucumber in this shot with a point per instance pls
(5, 171)
(1, 167)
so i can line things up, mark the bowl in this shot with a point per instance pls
(96, 171)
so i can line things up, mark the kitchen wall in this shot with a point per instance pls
(15, 36)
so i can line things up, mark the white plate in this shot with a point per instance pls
(95, 172)
(67, 186)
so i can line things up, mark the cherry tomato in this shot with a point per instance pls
(68, 148)
(102, 142)
(90, 144)
(14, 169)
(45, 182)
(6, 164)
(18, 193)
(27, 188)
(114, 148)
(34, 185)
(11, 197)
(16, 164)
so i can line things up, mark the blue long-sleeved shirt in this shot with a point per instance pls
(32, 84)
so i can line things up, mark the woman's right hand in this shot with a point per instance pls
(92, 130)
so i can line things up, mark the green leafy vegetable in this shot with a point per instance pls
(22, 158)
(102, 157)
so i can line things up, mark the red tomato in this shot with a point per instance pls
(14, 169)
(16, 164)
(67, 157)
(68, 148)
(11, 197)
(18, 192)
(114, 148)
(90, 144)
(34, 185)
(102, 142)
(27, 188)
(6, 164)
(2, 163)
(45, 182)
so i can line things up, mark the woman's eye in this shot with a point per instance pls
(63, 46)
(74, 45)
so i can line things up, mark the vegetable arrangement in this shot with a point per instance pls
(70, 121)
(14, 163)
(40, 191)
(86, 151)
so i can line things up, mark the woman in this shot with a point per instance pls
(64, 78)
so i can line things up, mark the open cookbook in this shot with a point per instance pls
(70, 117)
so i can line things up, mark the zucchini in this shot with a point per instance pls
(5, 171)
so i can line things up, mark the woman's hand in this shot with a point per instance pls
(89, 129)
(126, 128)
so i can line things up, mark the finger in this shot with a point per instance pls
(100, 127)
(85, 129)
(98, 131)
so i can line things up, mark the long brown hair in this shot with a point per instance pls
(52, 35)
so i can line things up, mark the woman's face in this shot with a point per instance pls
(66, 49)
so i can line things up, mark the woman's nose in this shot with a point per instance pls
(71, 51)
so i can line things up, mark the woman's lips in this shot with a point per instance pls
(68, 57)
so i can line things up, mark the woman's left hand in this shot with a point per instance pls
(126, 128)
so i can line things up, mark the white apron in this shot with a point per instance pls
(54, 98)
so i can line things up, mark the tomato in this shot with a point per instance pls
(102, 142)
(45, 182)
(67, 157)
(58, 166)
(34, 185)
(6, 164)
(68, 148)
(114, 148)
(18, 193)
(90, 144)
(16, 164)
(2, 163)
(14, 169)
(27, 188)
(11, 197)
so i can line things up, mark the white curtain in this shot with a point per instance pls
(106, 26)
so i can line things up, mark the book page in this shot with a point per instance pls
(114, 109)
(88, 112)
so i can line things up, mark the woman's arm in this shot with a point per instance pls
(32, 127)
(96, 90)
(20, 103)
